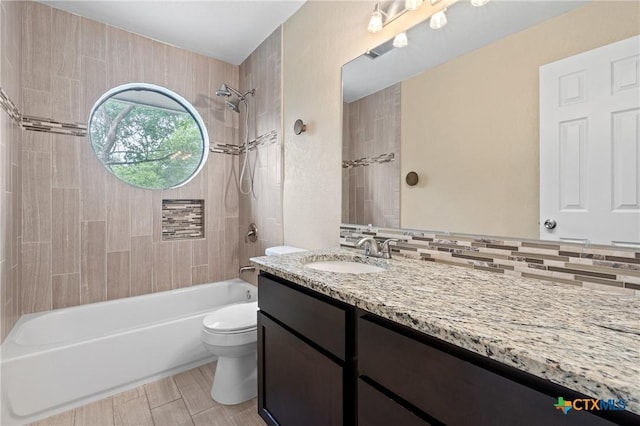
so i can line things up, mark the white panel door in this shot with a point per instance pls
(590, 146)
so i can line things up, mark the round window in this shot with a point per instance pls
(148, 136)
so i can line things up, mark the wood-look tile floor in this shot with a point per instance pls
(183, 399)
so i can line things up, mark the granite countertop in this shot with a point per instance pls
(583, 339)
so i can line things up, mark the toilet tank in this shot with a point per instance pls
(274, 251)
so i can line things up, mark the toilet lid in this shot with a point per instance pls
(240, 316)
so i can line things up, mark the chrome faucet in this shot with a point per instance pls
(371, 247)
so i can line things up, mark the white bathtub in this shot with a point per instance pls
(56, 360)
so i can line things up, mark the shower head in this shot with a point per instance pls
(233, 105)
(227, 91)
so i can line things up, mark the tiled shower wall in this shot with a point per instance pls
(87, 236)
(10, 165)
(262, 71)
(371, 136)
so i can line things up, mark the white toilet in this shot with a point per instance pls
(231, 334)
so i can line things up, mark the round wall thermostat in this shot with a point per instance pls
(412, 178)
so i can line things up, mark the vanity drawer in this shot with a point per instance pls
(308, 313)
(377, 409)
(437, 382)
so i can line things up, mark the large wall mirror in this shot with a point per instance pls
(460, 106)
(148, 136)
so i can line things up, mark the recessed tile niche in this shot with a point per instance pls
(182, 219)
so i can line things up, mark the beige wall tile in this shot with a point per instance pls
(118, 57)
(36, 197)
(141, 58)
(93, 178)
(65, 290)
(36, 277)
(141, 212)
(65, 161)
(66, 231)
(200, 251)
(141, 265)
(117, 198)
(173, 414)
(66, 100)
(160, 64)
(36, 46)
(94, 39)
(200, 274)
(162, 392)
(36, 141)
(182, 255)
(118, 275)
(94, 83)
(93, 262)
(66, 44)
(36, 103)
(162, 266)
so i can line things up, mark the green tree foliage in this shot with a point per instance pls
(144, 145)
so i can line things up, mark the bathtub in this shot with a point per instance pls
(56, 360)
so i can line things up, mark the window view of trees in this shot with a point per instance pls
(147, 146)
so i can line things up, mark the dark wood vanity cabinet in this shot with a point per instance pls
(306, 360)
(322, 362)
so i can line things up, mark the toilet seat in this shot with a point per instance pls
(233, 319)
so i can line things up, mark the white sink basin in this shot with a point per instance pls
(343, 266)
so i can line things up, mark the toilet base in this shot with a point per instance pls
(235, 380)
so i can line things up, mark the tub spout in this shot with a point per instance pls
(247, 268)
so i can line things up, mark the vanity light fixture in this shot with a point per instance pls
(375, 23)
(400, 40)
(413, 4)
(438, 20)
(478, 3)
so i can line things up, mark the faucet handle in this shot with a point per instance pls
(385, 249)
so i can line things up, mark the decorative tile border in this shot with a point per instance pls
(182, 219)
(9, 107)
(367, 161)
(601, 267)
(230, 149)
(39, 124)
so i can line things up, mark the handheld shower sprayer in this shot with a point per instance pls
(234, 105)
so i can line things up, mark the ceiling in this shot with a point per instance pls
(469, 28)
(227, 30)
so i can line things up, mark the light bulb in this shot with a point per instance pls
(438, 20)
(413, 4)
(375, 23)
(479, 2)
(400, 40)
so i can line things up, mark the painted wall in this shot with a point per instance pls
(87, 236)
(317, 41)
(262, 71)
(476, 150)
(11, 135)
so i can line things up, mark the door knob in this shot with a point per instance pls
(550, 223)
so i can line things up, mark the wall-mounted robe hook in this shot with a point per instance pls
(299, 127)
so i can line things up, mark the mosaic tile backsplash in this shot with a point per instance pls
(182, 219)
(599, 267)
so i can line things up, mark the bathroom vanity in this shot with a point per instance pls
(362, 349)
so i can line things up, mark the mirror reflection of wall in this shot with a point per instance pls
(470, 125)
(371, 159)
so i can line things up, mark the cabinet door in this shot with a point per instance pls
(297, 384)
(377, 409)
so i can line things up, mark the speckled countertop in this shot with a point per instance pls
(583, 339)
